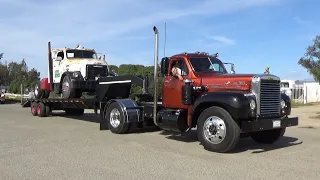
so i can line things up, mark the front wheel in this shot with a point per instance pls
(67, 91)
(217, 131)
(268, 136)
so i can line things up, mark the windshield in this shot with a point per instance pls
(284, 84)
(80, 54)
(206, 64)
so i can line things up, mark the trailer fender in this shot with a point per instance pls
(44, 84)
(236, 103)
(129, 108)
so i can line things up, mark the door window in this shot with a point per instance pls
(181, 67)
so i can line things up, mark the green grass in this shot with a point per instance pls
(13, 100)
(299, 104)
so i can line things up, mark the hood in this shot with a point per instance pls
(80, 64)
(216, 82)
(86, 61)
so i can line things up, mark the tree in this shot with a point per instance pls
(311, 59)
(18, 73)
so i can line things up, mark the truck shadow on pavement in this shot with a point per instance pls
(95, 118)
(245, 143)
(89, 117)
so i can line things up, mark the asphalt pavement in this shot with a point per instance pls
(60, 147)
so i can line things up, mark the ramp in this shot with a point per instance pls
(26, 103)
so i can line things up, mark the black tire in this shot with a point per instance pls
(69, 92)
(33, 108)
(47, 110)
(123, 127)
(268, 136)
(232, 130)
(41, 109)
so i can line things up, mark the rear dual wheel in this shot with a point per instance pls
(40, 109)
(116, 119)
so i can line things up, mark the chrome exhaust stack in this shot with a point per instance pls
(50, 66)
(155, 74)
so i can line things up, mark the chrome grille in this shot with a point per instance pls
(269, 98)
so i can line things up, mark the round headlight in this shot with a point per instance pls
(252, 104)
(283, 104)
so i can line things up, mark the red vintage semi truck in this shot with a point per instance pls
(220, 105)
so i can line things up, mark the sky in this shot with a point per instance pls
(252, 34)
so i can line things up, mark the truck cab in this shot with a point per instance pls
(253, 102)
(72, 71)
(200, 68)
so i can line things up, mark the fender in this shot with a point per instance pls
(72, 75)
(235, 103)
(44, 84)
(130, 109)
(287, 99)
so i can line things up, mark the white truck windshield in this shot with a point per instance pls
(81, 54)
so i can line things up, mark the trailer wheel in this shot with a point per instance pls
(41, 110)
(217, 131)
(34, 107)
(268, 136)
(115, 119)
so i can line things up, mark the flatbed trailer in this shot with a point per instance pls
(257, 109)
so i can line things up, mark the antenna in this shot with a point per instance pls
(165, 39)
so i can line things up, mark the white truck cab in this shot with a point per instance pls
(75, 70)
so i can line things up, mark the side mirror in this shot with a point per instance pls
(164, 65)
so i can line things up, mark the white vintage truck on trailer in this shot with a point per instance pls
(73, 71)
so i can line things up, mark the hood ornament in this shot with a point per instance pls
(267, 70)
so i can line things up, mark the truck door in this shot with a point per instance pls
(57, 62)
(172, 93)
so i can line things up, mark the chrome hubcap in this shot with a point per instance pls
(115, 118)
(214, 130)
